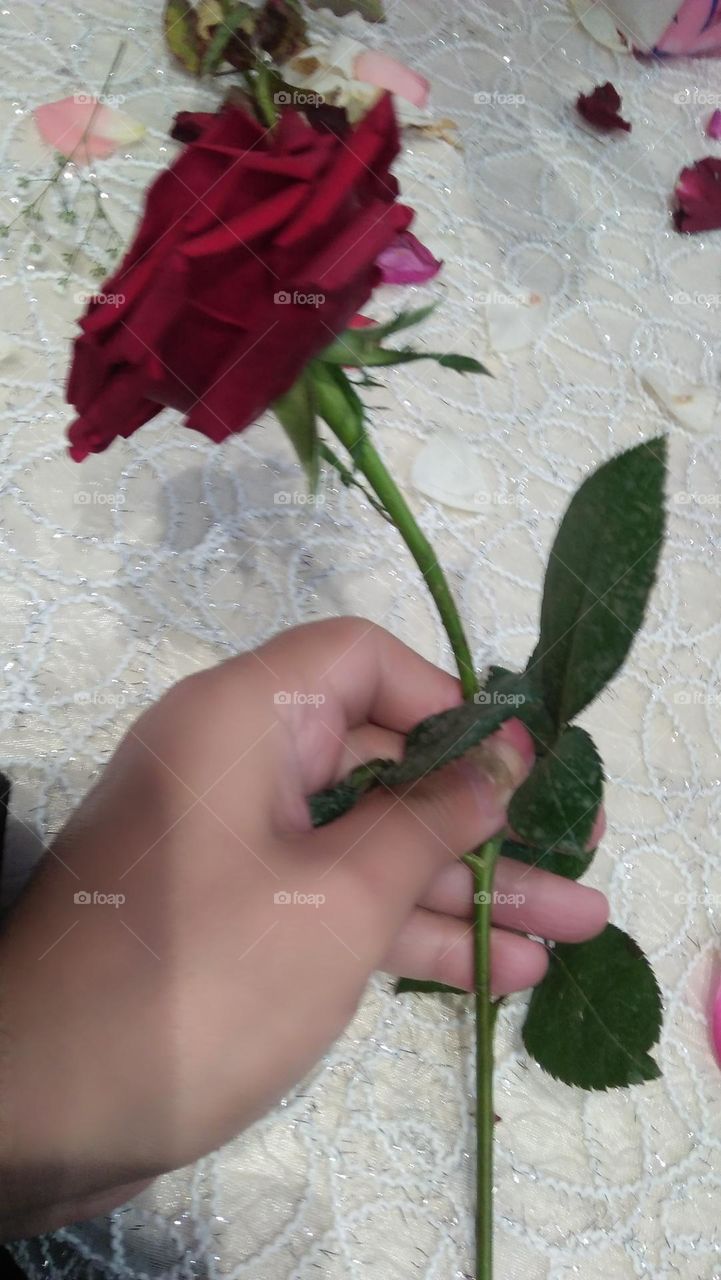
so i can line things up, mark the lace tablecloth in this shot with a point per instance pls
(168, 553)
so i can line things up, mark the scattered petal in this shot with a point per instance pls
(85, 129)
(600, 24)
(515, 319)
(698, 196)
(713, 128)
(361, 322)
(447, 470)
(601, 108)
(694, 406)
(407, 261)
(373, 66)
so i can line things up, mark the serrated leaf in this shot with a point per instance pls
(371, 10)
(433, 743)
(534, 714)
(556, 807)
(593, 1019)
(295, 412)
(600, 572)
(406, 985)
(570, 865)
(182, 36)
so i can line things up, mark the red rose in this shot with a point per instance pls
(255, 249)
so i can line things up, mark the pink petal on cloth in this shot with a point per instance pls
(715, 1015)
(407, 261)
(82, 128)
(374, 67)
(713, 128)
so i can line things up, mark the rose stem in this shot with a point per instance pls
(483, 861)
(483, 865)
(371, 465)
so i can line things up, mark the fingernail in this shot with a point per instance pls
(501, 764)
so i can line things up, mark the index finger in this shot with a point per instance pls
(363, 669)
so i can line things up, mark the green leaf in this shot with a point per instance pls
(461, 364)
(182, 36)
(556, 807)
(296, 413)
(600, 573)
(371, 10)
(570, 865)
(406, 985)
(239, 18)
(358, 348)
(596, 1014)
(432, 744)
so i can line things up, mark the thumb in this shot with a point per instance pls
(395, 842)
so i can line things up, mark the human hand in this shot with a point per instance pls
(155, 1030)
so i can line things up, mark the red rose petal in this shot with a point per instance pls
(601, 108)
(698, 196)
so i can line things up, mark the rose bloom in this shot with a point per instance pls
(256, 248)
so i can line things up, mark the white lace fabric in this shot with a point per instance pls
(167, 553)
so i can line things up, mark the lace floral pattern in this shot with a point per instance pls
(167, 553)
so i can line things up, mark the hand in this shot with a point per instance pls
(141, 1035)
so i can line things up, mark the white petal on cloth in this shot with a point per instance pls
(447, 469)
(695, 407)
(600, 23)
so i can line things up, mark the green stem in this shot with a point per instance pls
(371, 465)
(483, 865)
